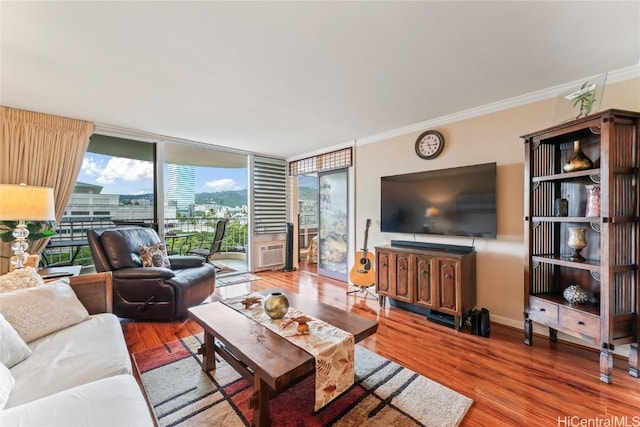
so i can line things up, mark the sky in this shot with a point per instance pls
(119, 175)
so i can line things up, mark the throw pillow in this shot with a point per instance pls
(21, 278)
(13, 349)
(6, 385)
(36, 312)
(155, 256)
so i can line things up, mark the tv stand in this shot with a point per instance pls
(427, 280)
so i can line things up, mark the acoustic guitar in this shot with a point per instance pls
(362, 273)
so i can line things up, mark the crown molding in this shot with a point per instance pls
(552, 92)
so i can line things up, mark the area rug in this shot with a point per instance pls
(234, 280)
(384, 394)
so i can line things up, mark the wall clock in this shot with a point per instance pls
(429, 144)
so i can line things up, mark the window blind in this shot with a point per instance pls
(269, 195)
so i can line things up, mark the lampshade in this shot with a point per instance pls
(25, 202)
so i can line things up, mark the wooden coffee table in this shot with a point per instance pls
(250, 347)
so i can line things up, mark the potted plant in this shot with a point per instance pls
(586, 98)
(37, 230)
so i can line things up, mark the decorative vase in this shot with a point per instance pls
(276, 305)
(577, 161)
(561, 207)
(574, 294)
(577, 241)
(593, 200)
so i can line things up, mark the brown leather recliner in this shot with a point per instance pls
(148, 293)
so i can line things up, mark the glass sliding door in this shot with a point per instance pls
(333, 224)
(202, 186)
(308, 218)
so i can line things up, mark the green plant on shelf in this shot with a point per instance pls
(586, 98)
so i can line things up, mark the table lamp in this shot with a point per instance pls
(24, 203)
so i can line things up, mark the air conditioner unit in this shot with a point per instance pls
(271, 254)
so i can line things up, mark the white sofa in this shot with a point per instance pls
(80, 375)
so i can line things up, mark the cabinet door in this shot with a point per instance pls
(424, 293)
(448, 292)
(382, 273)
(403, 290)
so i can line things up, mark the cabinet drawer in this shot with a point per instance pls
(580, 325)
(542, 311)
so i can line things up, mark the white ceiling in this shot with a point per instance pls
(287, 78)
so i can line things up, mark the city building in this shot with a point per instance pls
(181, 189)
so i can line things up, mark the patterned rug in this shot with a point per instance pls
(384, 394)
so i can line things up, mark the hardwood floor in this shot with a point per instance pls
(547, 384)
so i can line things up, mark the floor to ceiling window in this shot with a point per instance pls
(308, 217)
(115, 186)
(118, 184)
(203, 186)
(333, 214)
(325, 176)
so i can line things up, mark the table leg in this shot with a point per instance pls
(261, 413)
(208, 353)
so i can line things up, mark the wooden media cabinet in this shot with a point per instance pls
(439, 281)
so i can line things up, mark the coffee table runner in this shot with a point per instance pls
(332, 348)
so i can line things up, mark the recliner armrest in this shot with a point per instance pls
(143, 273)
(185, 261)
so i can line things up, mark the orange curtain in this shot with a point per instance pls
(43, 150)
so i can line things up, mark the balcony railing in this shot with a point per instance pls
(69, 246)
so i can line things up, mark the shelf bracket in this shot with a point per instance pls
(535, 144)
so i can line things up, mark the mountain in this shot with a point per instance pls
(308, 193)
(222, 198)
(126, 199)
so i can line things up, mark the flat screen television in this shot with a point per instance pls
(455, 202)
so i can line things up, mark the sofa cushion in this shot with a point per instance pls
(154, 256)
(41, 310)
(88, 351)
(13, 349)
(114, 401)
(19, 279)
(6, 384)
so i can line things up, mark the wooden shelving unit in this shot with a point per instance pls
(610, 272)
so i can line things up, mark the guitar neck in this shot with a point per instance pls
(366, 238)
